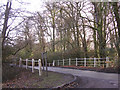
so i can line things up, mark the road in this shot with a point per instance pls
(90, 79)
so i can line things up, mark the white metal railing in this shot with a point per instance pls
(69, 62)
(82, 62)
(33, 64)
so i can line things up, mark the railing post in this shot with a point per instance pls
(26, 63)
(49, 64)
(39, 63)
(94, 62)
(20, 62)
(69, 61)
(84, 62)
(76, 61)
(107, 60)
(58, 63)
(63, 62)
(32, 65)
(53, 62)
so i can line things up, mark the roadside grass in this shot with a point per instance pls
(98, 69)
(27, 79)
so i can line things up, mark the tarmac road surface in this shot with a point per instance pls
(90, 79)
(88, 82)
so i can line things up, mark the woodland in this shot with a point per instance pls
(63, 29)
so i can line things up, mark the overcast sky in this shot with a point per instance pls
(32, 5)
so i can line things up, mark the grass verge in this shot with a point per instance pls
(27, 79)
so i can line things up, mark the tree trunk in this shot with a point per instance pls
(5, 25)
(84, 41)
(117, 17)
(99, 20)
(95, 41)
(77, 17)
(53, 36)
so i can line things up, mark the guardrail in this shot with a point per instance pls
(33, 64)
(95, 62)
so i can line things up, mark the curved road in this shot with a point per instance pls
(90, 79)
(88, 82)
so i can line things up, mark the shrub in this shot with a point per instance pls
(72, 53)
(10, 72)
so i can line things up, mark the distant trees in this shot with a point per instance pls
(77, 29)
(72, 25)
